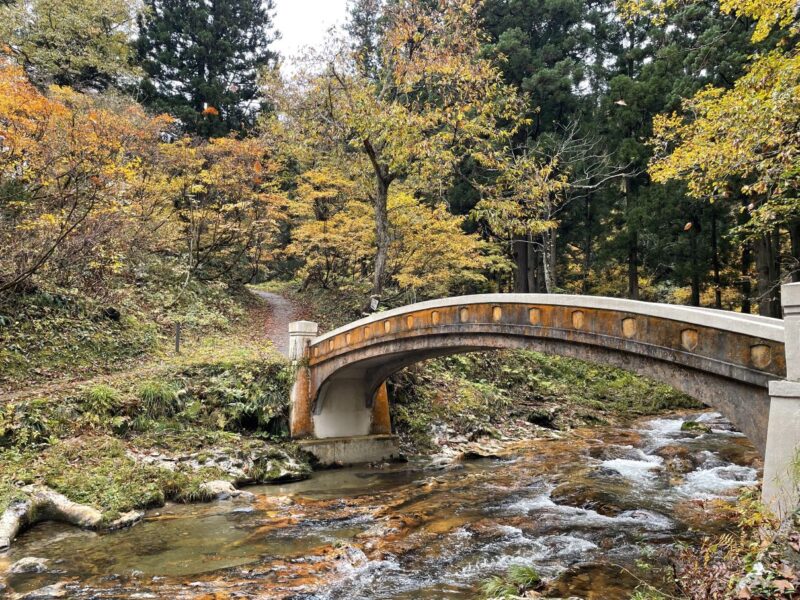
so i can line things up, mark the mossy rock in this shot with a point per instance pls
(695, 426)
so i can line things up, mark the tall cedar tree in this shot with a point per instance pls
(202, 57)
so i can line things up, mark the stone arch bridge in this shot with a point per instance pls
(745, 366)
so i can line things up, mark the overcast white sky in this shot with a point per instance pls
(305, 23)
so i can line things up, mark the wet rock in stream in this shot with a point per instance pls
(678, 460)
(593, 581)
(50, 592)
(29, 564)
(587, 494)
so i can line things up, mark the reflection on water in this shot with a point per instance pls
(576, 509)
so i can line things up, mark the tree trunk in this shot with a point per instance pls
(633, 243)
(794, 238)
(538, 270)
(381, 235)
(715, 261)
(531, 274)
(764, 271)
(552, 261)
(746, 284)
(587, 245)
(520, 252)
(549, 260)
(695, 301)
(633, 267)
(775, 273)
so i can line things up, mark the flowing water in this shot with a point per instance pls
(581, 509)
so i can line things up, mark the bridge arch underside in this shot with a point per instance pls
(719, 371)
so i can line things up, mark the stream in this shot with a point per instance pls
(582, 509)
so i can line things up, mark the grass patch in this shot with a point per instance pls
(100, 400)
(45, 335)
(517, 580)
(158, 399)
(96, 470)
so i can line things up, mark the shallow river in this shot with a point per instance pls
(582, 509)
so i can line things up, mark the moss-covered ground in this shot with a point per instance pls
(82, 440)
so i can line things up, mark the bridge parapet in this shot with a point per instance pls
(740, 346)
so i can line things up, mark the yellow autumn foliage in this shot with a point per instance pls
(429, 252)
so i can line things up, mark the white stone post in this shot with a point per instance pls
(300, 334)
(780, 487)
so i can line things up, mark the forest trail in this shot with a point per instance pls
(267, 319)
(280, 312)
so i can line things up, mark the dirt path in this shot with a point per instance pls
(280, 312)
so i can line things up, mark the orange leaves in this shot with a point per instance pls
(70, 162)
(24, 114)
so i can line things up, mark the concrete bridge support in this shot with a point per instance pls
(330, 436)
(781, 460)
(300, 335)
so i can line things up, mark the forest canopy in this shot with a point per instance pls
(627, 148)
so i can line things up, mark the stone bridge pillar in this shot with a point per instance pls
(781, 466)
(300, 335)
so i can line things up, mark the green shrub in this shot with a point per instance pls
(158, 399)
(100, 400)
(250, 396)
(34, 422)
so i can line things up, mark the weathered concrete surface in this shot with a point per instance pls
(353, 450)
(381, 421)
(781, 469)
(353, 416)
(781, 460)
(300, 407)
(300, 335)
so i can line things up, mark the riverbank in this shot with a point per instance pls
(593, 511)
(138, 443)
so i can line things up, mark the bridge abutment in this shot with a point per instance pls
(781, 467)
(349, 432)
(300, 335)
